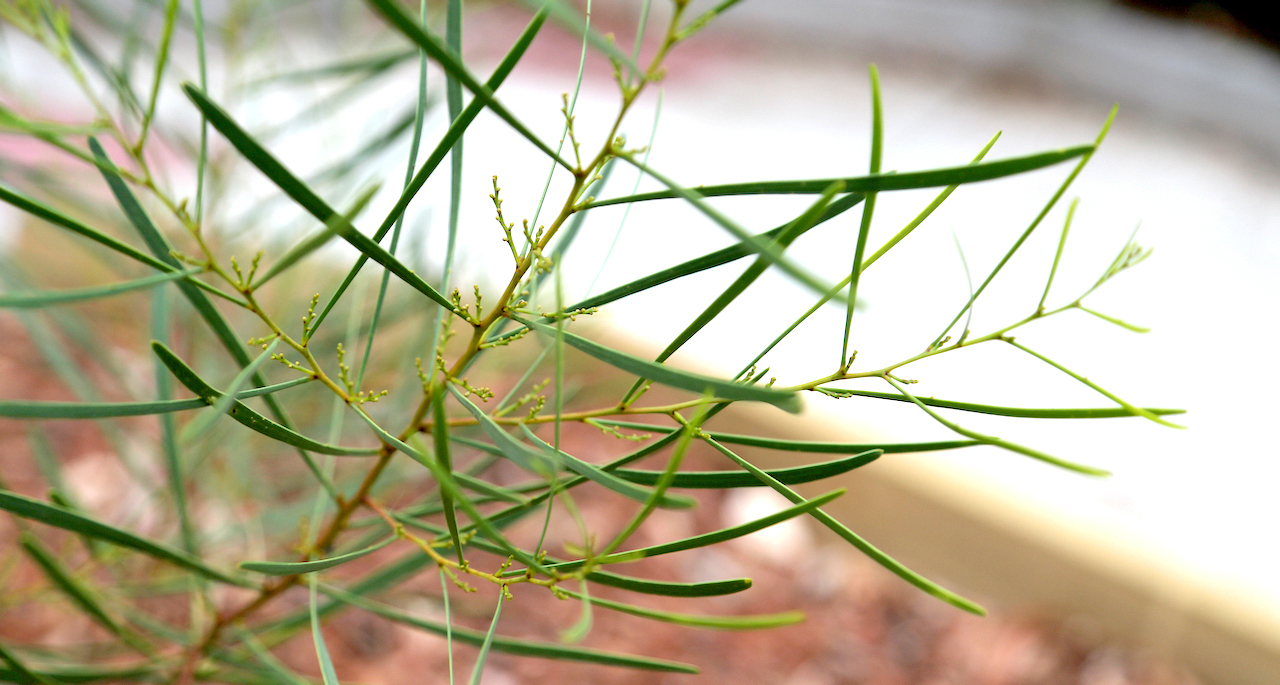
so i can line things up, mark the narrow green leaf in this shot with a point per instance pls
(712, 588)
(665, 375)
(304, 196)
(202, 423)
(63, 580)
(741, 479)
(718, 622)
(356, 66)
(999, 442)
(436, 50)
(1111, 319)
(509, 645)
(58, 517)
(45, 299)
(706, 538)
(484, 487)
(264, 657)
(440, 437)
(57, 218)
(609, 480)
(18, 671)
(161, 60)
(1149, 414)
(646, 586)
(1020, 412)
(853, 538)
(246, 416)
(31, 409)
(293, 568)
(806, 445)
(77, 674)
(327, 672)
(693, 266)
(958, 175)
(1057, 256)
(868, 209)
(76, 590)
(477, 671)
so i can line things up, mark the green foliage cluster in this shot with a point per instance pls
(436, 428)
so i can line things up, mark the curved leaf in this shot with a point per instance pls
(1019, 412)
(969, 173)
(758, 622)
(246, 416)
(808, 446)
(741, 479)
(713, 588)
(35, 409)
(706, 538)
(666, 375)
(854, 539)
(45, 299)
(66, 519)
(293, 568)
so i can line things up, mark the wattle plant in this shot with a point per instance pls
(368, 435)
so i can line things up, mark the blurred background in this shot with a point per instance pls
(1163, 573)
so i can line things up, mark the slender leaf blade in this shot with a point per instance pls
(957, 175)
(293, 568)
(666, 375)
(246, 416)
(741, 479)
(75, 522)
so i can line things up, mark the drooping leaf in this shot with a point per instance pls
(292, 568)
(711, 588)
(1020, 412)
(46, 299)
(246, 416)
(969, 173)
(718, 622)
(666, 375)
(75, 522)
(707, 538)
(741, 479)
(876, 555)
(33, 409)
